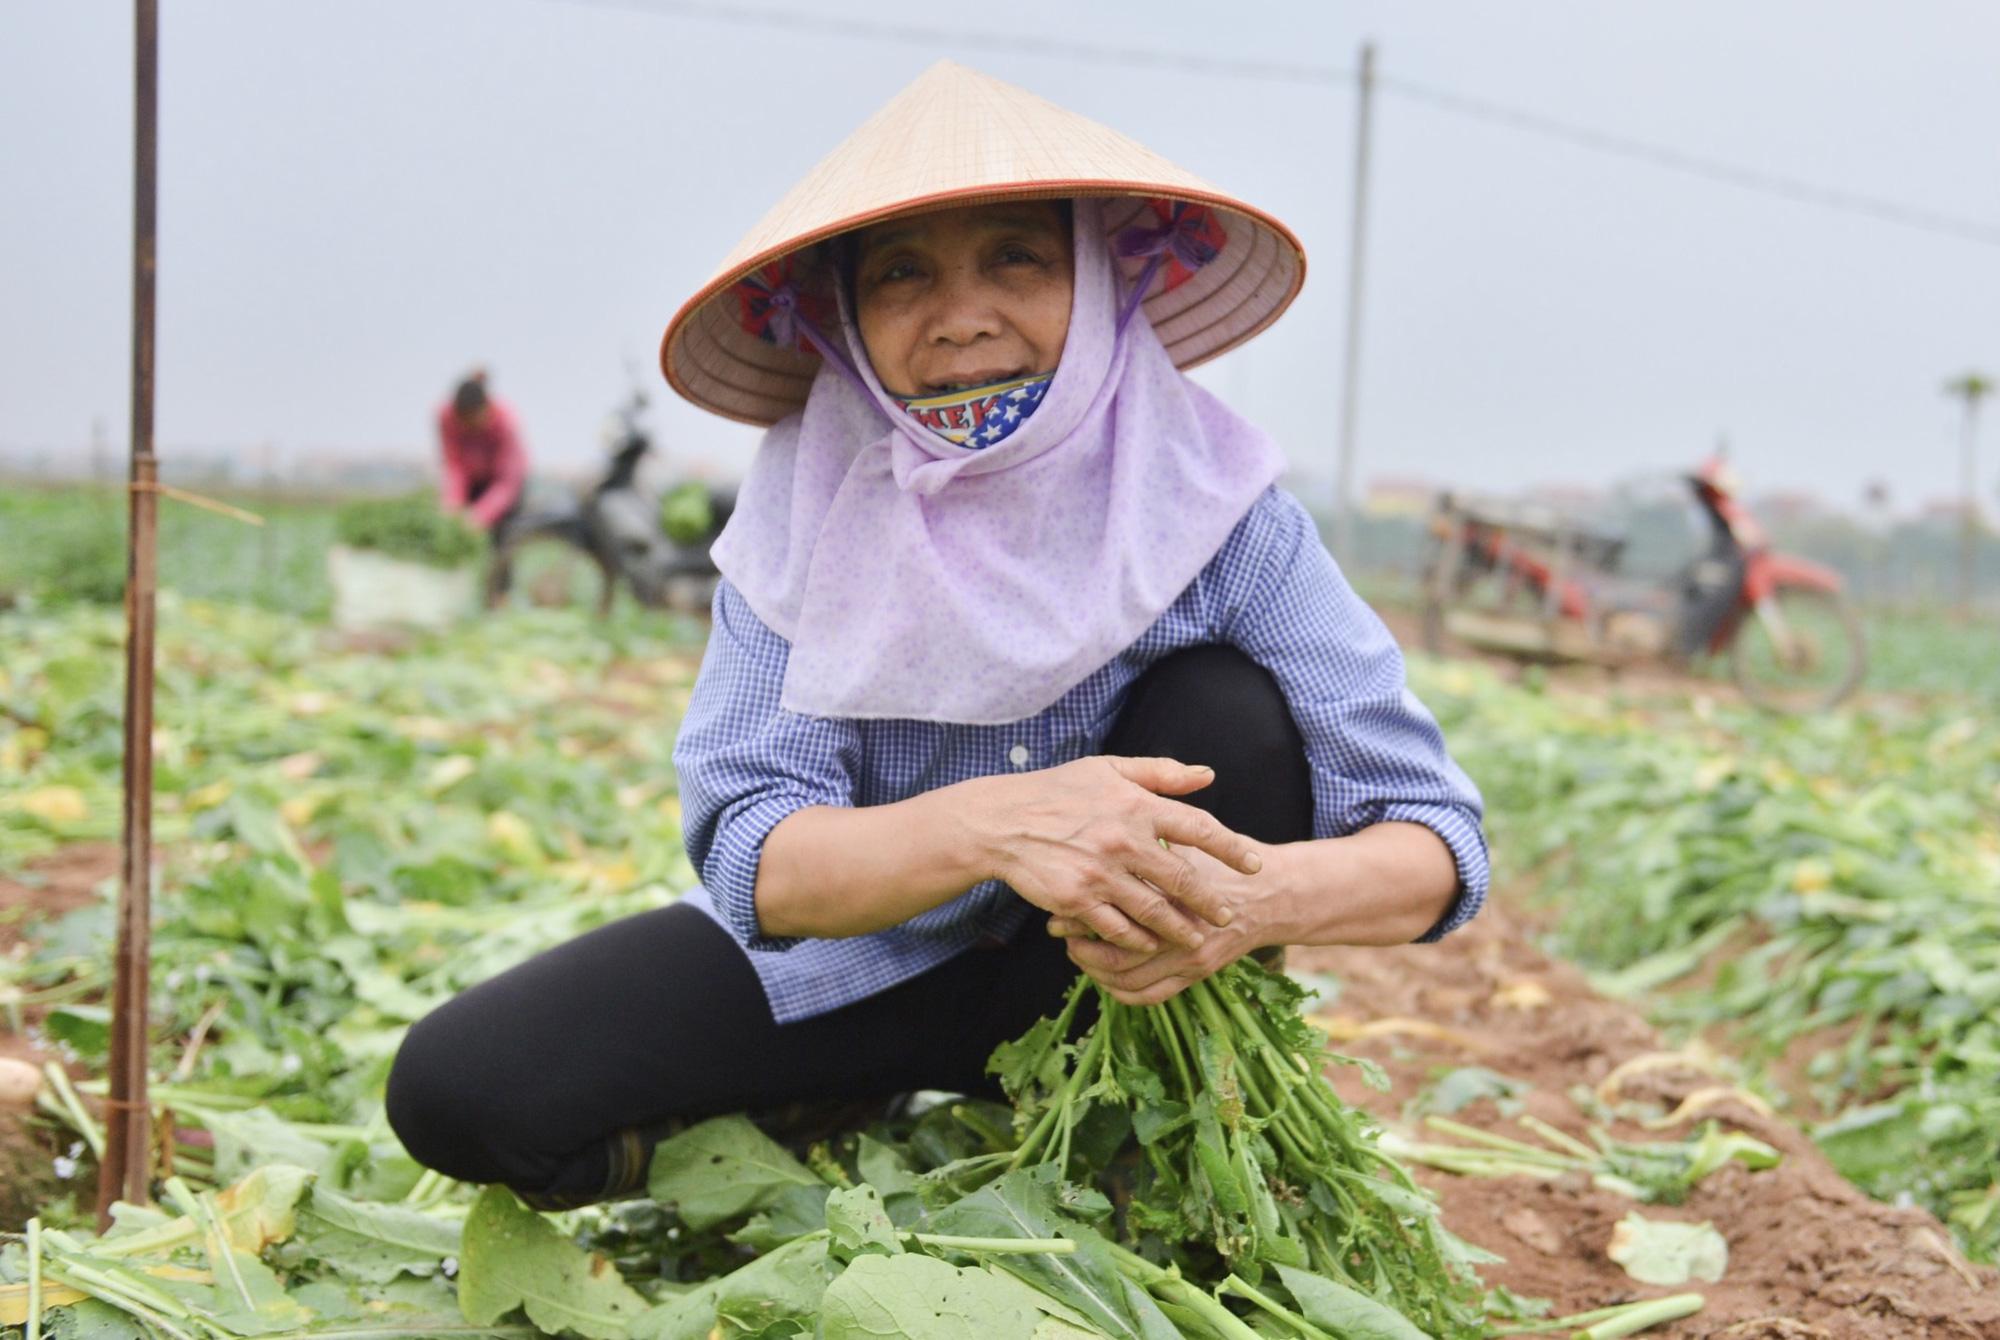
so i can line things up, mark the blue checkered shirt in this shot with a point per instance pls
(1272, 590)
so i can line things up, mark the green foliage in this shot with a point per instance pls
(1910, 652)
(794, 1273)
(373, 1243)
(1090, 1282)
(922, 1298)
(66, 545)
(686, 512)
(723, 1169)
(516, 1258)
(85, 562)
(1344, 1311)
(411, 528)
(359, 837)
(1834, 873)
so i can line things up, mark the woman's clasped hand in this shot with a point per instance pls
(1089, 843)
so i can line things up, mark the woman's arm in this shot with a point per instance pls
(510, 470)
(1400, 856)
(785, 854)
(1085, 842)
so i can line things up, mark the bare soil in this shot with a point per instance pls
(1811, 1258)
(60, 882)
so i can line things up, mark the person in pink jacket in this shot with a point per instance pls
(485, 471)
(485, 466)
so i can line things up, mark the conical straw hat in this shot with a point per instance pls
(957, 137)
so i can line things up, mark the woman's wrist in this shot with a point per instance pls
(970, 819)
(1385, 885)
(1283, 911)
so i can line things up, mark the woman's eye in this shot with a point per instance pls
(895, 271)
(1018, 256)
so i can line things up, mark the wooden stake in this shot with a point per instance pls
(125, 1172)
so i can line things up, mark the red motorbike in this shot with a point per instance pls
(1526, 581)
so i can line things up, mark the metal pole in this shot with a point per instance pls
(1972, 388)
(127, 1169)
(1968, 495)
(1350, 379)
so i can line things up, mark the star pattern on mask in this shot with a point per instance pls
(977, 419)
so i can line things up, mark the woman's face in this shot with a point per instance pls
(964, 297)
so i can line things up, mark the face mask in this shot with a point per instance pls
(982, 416)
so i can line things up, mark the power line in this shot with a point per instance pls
(1457, 104)
(1789, 188)
(918, 35)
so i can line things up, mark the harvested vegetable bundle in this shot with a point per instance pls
(410, 528)
(1251, 1161)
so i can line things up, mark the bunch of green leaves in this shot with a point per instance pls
(411, 527)
(1835, 874)
(1250, 1162)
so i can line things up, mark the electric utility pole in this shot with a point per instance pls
(1971, 388)
(126, 1170)
(1350, 378)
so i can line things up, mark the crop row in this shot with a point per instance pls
(1819, 894)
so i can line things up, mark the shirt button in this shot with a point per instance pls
(1018, 756)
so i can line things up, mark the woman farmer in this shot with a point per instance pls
(1021, 664)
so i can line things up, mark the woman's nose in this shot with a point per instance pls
(964, 309)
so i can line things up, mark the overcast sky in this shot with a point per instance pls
(361, 198)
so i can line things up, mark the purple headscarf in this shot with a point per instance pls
(918, 579)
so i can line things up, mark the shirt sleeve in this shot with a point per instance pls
(1375, 751)
(452, 485)
(745, 763)
(510, 471)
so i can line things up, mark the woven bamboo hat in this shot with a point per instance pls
(957, 137)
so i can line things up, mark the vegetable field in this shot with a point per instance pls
(1805, 911)
(1818, 896)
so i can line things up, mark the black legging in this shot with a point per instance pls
(557, 1076)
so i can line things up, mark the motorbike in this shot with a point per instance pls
(656, 547)
(1531, 583)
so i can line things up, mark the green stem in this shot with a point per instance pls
(1067, 1018)
(999, 1139)
(1560, 1138)
(1572, 1321)
(1182, 1294)
(1237, 1285)
(1060, 1108)
(997, 1246)
(34, 1328)
(122, 1300)
(72, 1107)
(1639, 1316)
(120, 1285)
(1170, 1041)
(1519, 1149)
(1136, 1267)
